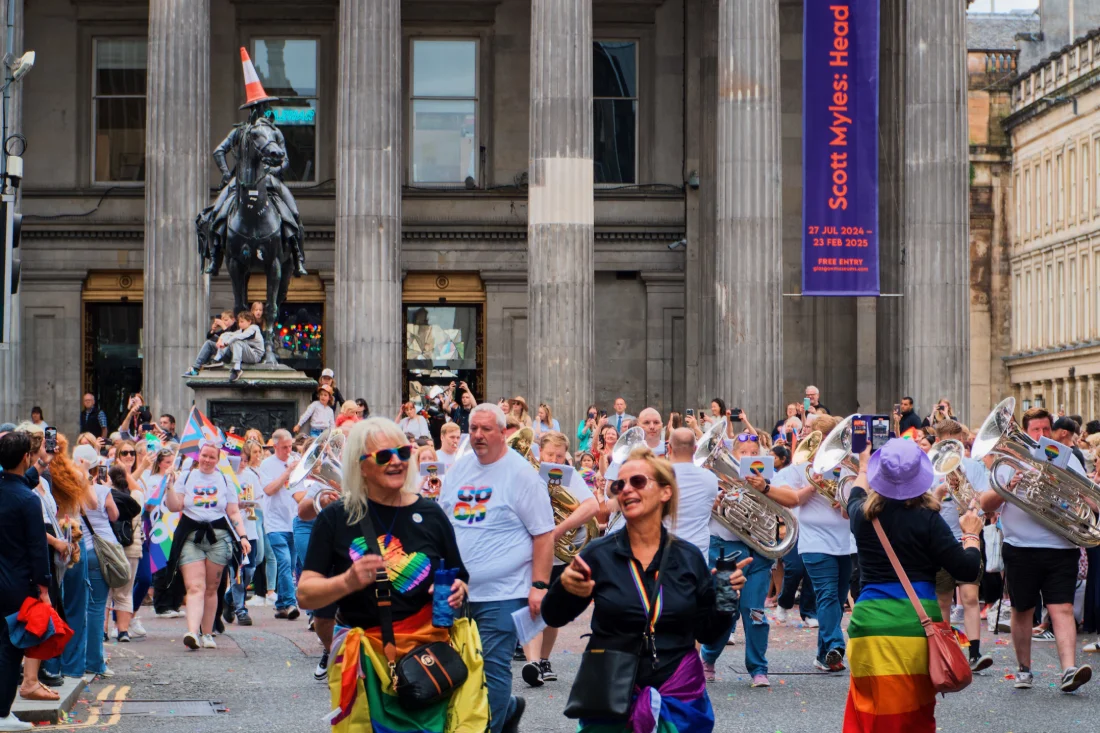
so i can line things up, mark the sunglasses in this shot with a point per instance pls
(637, 482)
(746, 437)
(127, 453)
(384, 456)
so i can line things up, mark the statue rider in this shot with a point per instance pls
(216, 216)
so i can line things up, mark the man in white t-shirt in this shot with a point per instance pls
(649, 420)
(279, 512)
(504, 525)
(449, 436)
(1038, 563)
(553, 449)
(698, 490)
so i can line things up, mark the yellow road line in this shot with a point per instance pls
(115, 714)
(101, 697)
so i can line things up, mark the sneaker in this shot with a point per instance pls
(123, 637)
(256, 602)
(548, 673)
(977, 664)
(136, 629)
(12, 723)
(108, 672)
(112, 633)
(271, 599)
(781, 615)
(169, 614)
(1047, 635)
(292, 613)
(708, 672)
(106, 637)
(282, 613)
(321, 672)
(812, 623)
(311, 624)
(518, 655)
(234, 375)
(760, 680)
(511, 725)
(835, 660)
(1024, 680)
(532, 674)
(821, 666)
(243, 619)
(192, 372)
(1093, 647)
(1074, 677)
(208, 642)
(191, 641)
(958, 615)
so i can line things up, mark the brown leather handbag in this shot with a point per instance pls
(947, 664)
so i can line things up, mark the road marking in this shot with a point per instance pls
(102, 697)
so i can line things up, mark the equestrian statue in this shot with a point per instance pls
(254, 222)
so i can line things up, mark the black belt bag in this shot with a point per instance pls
(430, 672)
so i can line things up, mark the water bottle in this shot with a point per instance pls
(727, 599)
(443, 616)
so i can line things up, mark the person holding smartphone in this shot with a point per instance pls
(97, 519)
(586, 429)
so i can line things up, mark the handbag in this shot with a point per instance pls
(947, 665)
(430, 672)
(604, 686)
(114, 566)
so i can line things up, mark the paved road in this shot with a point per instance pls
(263, 677)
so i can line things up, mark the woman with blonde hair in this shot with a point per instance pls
(544, 421)
(517, 407)
(88, 439)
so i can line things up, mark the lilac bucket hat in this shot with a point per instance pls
(900, 470)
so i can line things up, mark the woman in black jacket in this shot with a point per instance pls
(618, 573)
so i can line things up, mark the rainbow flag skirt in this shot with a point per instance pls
(890, 690)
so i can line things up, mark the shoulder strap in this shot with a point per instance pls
(925, 621)
(381, 594)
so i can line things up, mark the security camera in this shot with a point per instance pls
(20, 66)
(678, 244)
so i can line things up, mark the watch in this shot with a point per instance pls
(539, 585)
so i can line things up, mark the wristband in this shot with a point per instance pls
(970, 537)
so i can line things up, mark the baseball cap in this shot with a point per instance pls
(1065, 423)
(327, 373)
(88, 454)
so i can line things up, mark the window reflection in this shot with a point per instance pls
(615, 111)
(444, 111)
(300, 338)
(441, 346)
(288, 69)
(119, 107)
(112, 355)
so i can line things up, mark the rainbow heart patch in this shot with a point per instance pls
(406, 571)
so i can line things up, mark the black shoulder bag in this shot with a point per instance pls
(430, 672)
(604, 686)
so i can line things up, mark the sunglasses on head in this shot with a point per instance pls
(382, 457)
(746, 437)
(637, 482)
(127, 453)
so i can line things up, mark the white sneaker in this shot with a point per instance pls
(781, 614)
(256, 602)
(13, 723)
(271, 599)
(208, 642)
(113, 633)
(169, 614)
(136, 629)
(958, 616)
(812, 623)
(107, 672)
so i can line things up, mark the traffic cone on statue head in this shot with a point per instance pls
(253, 89)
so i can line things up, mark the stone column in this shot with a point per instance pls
(177, 187)
(936, 247)
(748, 286)
(1090, 398)
(15, 404)
(560, 247)
(367, 340)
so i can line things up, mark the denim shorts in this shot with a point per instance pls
(219, 553)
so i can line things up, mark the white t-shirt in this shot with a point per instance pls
(820, 527)
(280, 507)
(715, 527)
(98, 518)
(250, 489)
(698, 489)
(580, 491)
(1020, 530)
(659, 450)
(496, 509)
(206, 495)
(978, 477)
(415, 426)
(445, 458)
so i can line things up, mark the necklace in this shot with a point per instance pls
(389, 530)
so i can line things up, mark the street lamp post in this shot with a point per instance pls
(11, 170)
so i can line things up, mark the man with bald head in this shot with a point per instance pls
(698, 490)
(650, 421)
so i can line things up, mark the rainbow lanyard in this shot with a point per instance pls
(651, 615)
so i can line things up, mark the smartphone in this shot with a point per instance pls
(149, 427)
(585, 572)
(103, 474)
(806, 404)
(735, 414)
(51, 440)
(103, 451)
(690, 412)
(859, 435)
(603, 414)
(897, 408)
(880, 432)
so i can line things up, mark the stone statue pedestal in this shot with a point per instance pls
(265, 397)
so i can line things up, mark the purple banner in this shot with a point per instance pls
(840, 148)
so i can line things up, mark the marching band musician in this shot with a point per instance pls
(553, 448)
(1039, 562)
(649, 420)
(946, 584)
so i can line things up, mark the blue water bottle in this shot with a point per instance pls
(443, 615)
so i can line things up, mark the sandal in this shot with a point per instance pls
(39, 692)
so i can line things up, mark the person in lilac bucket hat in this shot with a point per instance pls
(885, 635)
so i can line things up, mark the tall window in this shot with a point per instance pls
(1059, 314)
(118, 100)
(1050, 305)
(288, 69)
(1029, 314)
(1017, 295)
(1086, 327)
(615, 111)
(1037, 196)
(444, 112)
(1060, 202)
(1072, 171)
(1026, 220)
(1086, 200)
(1072, 310)
(1050, 196)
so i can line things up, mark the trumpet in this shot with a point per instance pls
(947, 463)
(1056, 498)
(742, 510)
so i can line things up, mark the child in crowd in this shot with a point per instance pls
(319, 413)
(220, 325)
(243, 346)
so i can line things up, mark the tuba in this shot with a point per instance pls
(834, 454)
(522, 442)
(625, 445)
(564, 504)
(321, 463)
(742, 510)
(946, 457)
(804, 453)
(1057, 498)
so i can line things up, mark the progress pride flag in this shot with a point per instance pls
(840, 148)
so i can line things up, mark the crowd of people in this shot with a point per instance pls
(452, 483)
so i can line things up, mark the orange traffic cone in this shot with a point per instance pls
(253, 89)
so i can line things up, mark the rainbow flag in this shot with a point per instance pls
(890, 690)
(910, 434)
(198, 430)
(164, 525)
(233, 444)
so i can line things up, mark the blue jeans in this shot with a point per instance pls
(758, 575)
(74, 598)
(234, 594)
(302, 531)
(498, 643)
(794, 573)
(267, 556)
(206, 353)
(282, 547)
(831, 575)
(94, 660)
(143, 578)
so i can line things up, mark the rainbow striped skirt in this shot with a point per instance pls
(890, 690)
